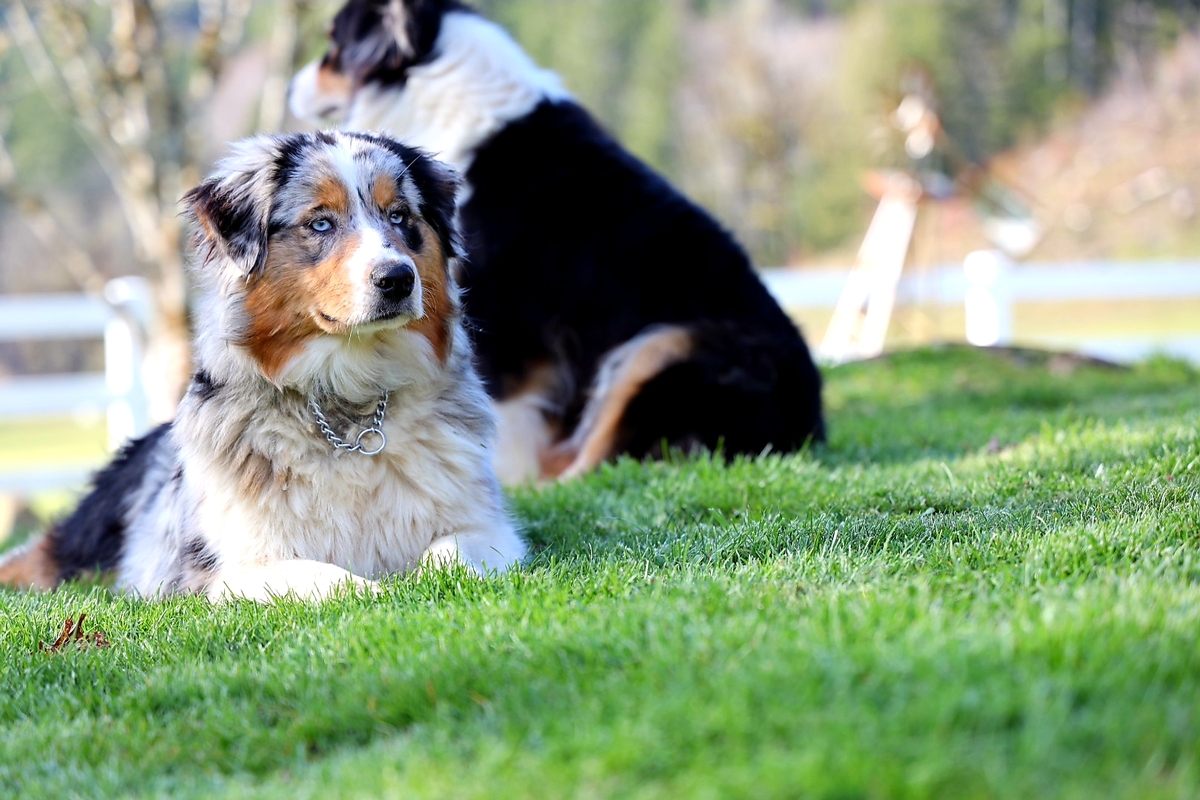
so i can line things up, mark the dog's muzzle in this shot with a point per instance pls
(395, 280)
(395, 285)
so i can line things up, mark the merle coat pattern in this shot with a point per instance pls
(324, 270)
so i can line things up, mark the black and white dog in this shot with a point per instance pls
(335, 429)
(610, 314)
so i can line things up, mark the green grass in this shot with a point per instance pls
(986, 585)
(52, 441)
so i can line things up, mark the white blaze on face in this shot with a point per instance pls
(372, 252)
(375, 244)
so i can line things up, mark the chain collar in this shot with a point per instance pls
(376, 428)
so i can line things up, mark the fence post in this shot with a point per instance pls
(988, 302)
(124, 356)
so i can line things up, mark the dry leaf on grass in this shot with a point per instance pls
(72, 633)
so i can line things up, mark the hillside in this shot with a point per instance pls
(1115, 179)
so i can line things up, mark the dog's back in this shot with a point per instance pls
(577, 247)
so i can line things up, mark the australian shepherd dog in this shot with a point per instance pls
(609, 314)
(335, 429)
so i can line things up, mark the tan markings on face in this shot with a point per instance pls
(331, 83)
(286, 302)
(437, 324)
(385, 192)
(329, 193)
(327, 288)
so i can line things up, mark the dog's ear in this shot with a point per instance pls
(439, 185)
(227, 226)
(383, 38)
(413, 25)
(232, 209)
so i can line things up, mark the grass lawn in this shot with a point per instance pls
(986, 585)
(53, 441)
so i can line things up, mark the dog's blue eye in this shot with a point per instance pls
(396, 218)
(321, 225)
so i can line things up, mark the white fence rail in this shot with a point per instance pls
(988, 286)
(122, 317)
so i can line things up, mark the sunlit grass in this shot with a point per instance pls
(42, 441)
(986, 585)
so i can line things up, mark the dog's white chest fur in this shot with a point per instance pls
(294, 497)
(372, 515)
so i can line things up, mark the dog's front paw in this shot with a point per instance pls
(304, 580)
(442, 553)
(485, 552)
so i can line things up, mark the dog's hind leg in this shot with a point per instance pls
(621, 375)
(306, 580)
(724, 386)
(526, 426)
(741, 391)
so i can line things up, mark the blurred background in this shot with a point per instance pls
(1062, 137)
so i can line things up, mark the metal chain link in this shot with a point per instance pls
(357, 447)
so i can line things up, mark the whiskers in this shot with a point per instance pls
(408, 166)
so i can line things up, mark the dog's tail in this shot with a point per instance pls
(31, 566)
(92, 537)
(622, 373)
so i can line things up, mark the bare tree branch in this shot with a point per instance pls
(49, 231)
(51, 76)
(285, 50)
(221, 25)
(280, 54)
(112, 69)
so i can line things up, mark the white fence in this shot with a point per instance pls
(122, 317)
(988, 286)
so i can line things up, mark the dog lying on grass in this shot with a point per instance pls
(335, 429)
(609, 313)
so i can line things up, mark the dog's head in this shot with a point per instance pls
(327, 236)
(370, 41)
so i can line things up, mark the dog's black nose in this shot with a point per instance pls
(395, 279)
